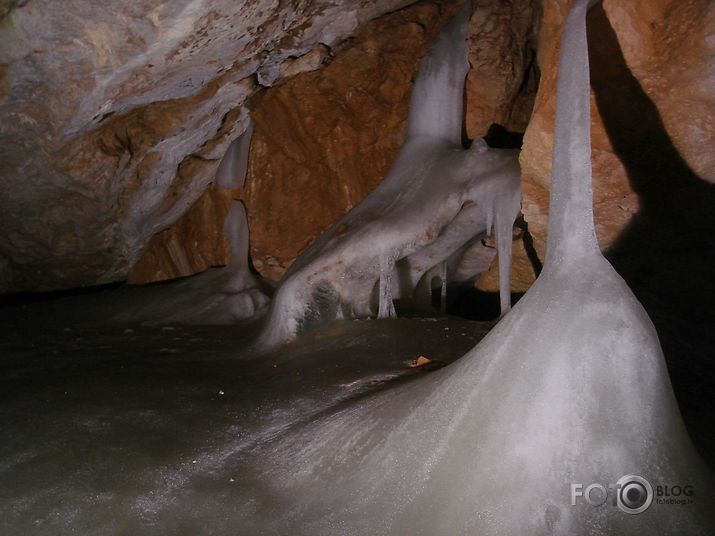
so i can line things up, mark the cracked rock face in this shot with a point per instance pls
(115, 116)
(653, 99)
(325, 139)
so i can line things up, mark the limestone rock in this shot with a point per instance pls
(116, 114)
(502, 82)
(665, 49)
(325, 139)
(193, 244)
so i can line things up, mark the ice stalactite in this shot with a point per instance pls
(443, 287)
(220, 295)
(386, 307)
(429, 209)
(232, 170)
(569, 389)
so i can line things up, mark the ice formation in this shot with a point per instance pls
(219, 295)
(426, 217)
(569, 388)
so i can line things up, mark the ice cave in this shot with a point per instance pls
(390, 267)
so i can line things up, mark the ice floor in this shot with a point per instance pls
(124, 429)
(128, 429)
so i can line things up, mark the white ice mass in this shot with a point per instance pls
(570, 387)
(428, 215)
(220, 295)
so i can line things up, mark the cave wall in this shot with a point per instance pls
(191, 245)
(115, 120)
(325, 139)
(116, 114)
(663, 48)
(513, 56)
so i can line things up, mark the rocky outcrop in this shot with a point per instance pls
(325, 139)
(115, 119)
(115, 116)
(193, 244)
(504, 75)
(658, 51)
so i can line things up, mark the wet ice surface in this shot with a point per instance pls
(131, 429)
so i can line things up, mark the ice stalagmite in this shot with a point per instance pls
(386, 307)
(220, 295)
(433, 204)
(570, 389)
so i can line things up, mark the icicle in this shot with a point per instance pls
(232, 170)
(443, 294)
(386, 308)
(235, 229)
(503, 232)
(490, 218)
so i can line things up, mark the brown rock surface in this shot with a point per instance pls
(114, 116)
(324, 139)
(665, 50)
(114, 120)
(195, 242)
(503, 79)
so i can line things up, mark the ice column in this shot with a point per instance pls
(386, 307)
(571, 229)
(502, 235)
(232, 170)
(443, 290)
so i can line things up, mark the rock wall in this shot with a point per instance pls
(324, 139)
(114, 119)
(193, 244)
(658, 51)
(116, 114)
(504, 75)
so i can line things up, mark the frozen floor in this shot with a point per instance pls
(109, 429)
(128, 429)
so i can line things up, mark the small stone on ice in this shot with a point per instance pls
(421, 361)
